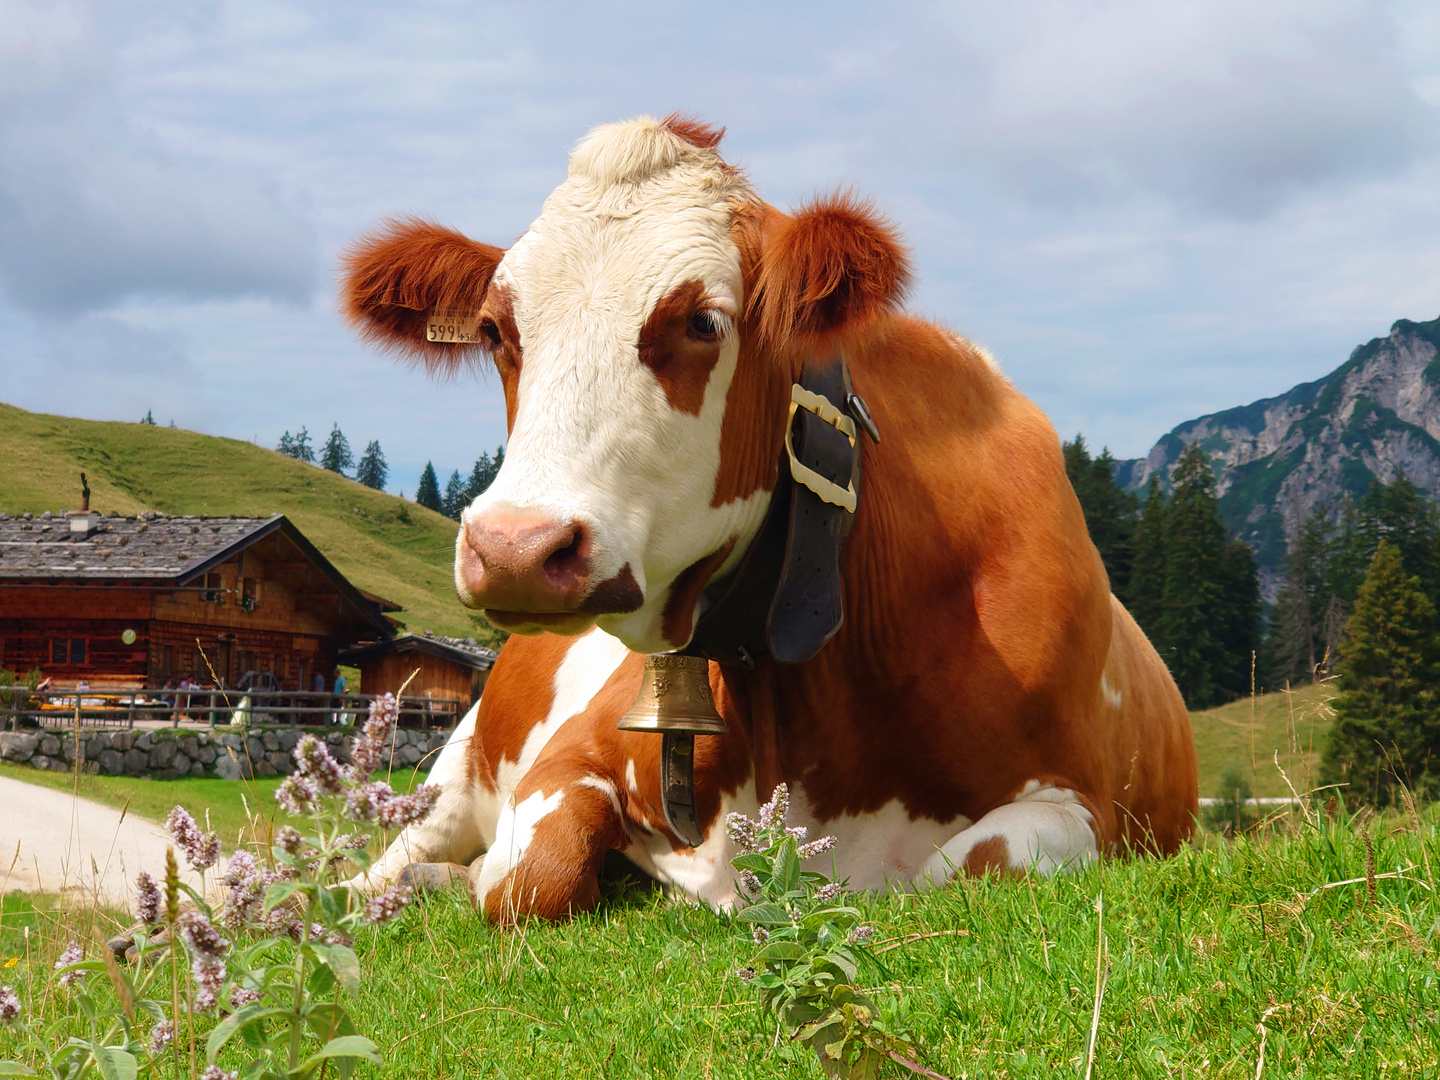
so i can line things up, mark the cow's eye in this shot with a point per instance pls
(704, 326)
(490, 332)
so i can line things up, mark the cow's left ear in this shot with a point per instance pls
(409, 272)
(834, 266)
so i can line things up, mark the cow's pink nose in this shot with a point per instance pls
(525, 564)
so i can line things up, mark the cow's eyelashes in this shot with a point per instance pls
(490, 331)
(705, 326)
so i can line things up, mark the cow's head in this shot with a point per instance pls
(646, 330)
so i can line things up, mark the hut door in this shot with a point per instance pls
(222, 662)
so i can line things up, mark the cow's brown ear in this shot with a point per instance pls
(396, 278)
(834, 266)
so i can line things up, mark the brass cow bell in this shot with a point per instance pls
(674, 698)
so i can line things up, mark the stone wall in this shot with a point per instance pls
(168, 754)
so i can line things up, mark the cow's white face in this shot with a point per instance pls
(622, 301)
(641, 456)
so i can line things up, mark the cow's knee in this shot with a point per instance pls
(1046, 827)
(549, 846)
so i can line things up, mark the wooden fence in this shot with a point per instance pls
(21, 708)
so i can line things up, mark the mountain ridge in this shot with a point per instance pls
(1375, 416)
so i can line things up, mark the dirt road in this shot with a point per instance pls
(52, 842)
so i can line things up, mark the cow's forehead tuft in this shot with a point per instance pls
(634, 152)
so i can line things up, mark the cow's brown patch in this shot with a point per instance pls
(677, 620)
(670, 346)
(619, 594)
(989, 856)
(396, 277)
(497, 325)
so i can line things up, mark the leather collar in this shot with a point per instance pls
(785, 598)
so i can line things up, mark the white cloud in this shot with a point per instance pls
(94, 209)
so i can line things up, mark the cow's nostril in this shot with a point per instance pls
(566, 561)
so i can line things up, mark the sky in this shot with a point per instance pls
(1146, 211)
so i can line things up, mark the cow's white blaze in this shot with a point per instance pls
(595, 440)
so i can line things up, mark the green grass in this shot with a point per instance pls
(996, 978)
(221, 802)
(1248, 733)
(382, 543)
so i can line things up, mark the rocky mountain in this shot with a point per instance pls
(1275, 460)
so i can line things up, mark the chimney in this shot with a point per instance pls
(82, 521)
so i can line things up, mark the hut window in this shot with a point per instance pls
(167, 660)
(210, 593)
(249, 594)
(67, 650)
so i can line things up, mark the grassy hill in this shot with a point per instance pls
(385, 544)
(1248, 733)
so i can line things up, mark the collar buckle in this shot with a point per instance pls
(822, 407)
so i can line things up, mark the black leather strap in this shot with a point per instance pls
(677, 786)
(785, 598)
(809, 607)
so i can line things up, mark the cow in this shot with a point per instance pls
(986, 705)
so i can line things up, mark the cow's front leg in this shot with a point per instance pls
(550, 842)
(449, 836)
(1045, 827)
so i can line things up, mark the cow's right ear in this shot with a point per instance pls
(396, 278)
(832, 268)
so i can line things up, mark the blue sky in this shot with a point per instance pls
(1146, 211)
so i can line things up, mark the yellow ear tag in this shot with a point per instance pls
(449, 328)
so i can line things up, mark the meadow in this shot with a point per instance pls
(1310, 943)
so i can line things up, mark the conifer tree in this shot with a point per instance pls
(1109, 511)
(336, 455)
(454, 501)
(286, 445)
(1147, 567)
(372, 470)
(149, 418)
(300, 448)
(1238, 621)
(481, 476)
(1193, 595)
(1388, 715)
(1295, 648)
(427, 492)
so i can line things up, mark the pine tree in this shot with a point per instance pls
(427, 493)
(481, 477)
(1295, 646)
(1109, 511)
(1147, 567)
(149, 418)
(1388, 715)
(336, 456)
(1193, 596)
(286, 445)
(1238, 620)
(372, 470)
(454, 501)
(300, 448)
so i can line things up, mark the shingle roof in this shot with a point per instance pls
(145, 547)
(465, 651)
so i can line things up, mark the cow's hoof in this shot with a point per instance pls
(432, 876)
(122, 946)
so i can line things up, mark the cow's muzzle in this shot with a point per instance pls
(531, 575)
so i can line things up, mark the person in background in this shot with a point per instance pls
(338, 717)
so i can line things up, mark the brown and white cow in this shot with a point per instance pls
(987, 704)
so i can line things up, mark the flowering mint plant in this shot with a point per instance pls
(265, 970)
(811, 944)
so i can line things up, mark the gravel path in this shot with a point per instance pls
(52, 842)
